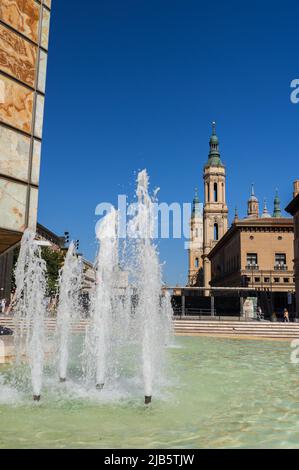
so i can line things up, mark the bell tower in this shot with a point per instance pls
(253, 205)
(215, 213)
(196, 244)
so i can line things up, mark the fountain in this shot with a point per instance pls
(129, 316)
(99, 336)
(150, 314)
(30, 309)
(70, 284)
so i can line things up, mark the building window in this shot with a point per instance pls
(216, 232)
(257, 279)
(196, 262)
(280, 261)
(215, 192)
(286, 279)
(251, 260)
(266, 280)
(196, 233)
(276, 279)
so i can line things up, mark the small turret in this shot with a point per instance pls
(196, 205)
(277, 209)
(265, 214)
(253, 205)
(214, 154)
(236, 218)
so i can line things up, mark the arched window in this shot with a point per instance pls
(216, 232)
(196, 263)
(208, 192)
(215, 192)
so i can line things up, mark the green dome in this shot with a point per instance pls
(214, 155)
(214, 139)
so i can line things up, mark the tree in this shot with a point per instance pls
(54, 260)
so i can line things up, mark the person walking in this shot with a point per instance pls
(274, 316)
(259, 313)
(3, 305)
(286, 316)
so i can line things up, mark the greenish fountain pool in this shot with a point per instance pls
(219, 393)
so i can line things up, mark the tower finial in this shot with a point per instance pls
(277, 209)
(265, 214)
(213, 128)
(214, 155)
(253, 204)
(236, 214)
(196, 206)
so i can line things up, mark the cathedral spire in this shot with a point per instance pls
(236, 218)
(196, 204)
(265, 214)
(253, 204)
(214, 154)
(277, 209)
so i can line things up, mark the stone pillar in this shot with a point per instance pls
(212, 305)
(241, 306)
(183, 304)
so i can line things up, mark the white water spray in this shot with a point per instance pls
(30, 309)
(70, 284)
(99, 338)
(151, 318)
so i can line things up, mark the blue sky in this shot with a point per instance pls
(134, 84)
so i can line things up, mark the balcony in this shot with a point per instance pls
(280, 267)
(252, 267)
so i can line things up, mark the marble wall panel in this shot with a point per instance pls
(22, 15)
(17, 56)
(36, 156)
(16, 108)
(39, 116)
(12, 205)
(14, 154)
(33, 208)
(45, 29)
(41, 84)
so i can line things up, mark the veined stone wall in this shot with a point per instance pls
(24, 38)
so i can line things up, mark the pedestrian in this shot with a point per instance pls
(3, 305)
(259, 313)
(274, 316)
(286, 316)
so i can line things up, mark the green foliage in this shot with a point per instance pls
(54, 260)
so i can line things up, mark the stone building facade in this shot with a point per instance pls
(215, 216)
(195, 251)
(255, 253)
(293, 209)
(24, 38)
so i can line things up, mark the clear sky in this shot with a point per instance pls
(134, 84)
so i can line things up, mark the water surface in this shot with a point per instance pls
(220, 393)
